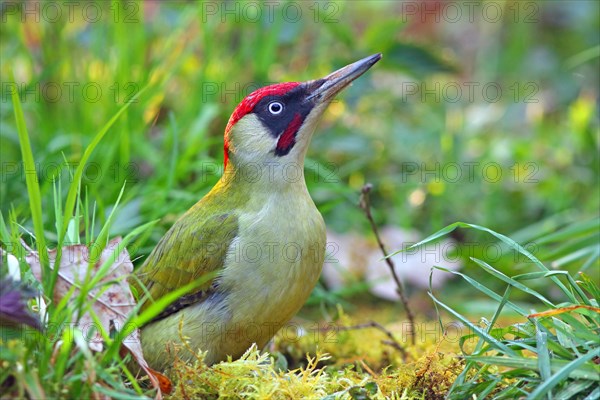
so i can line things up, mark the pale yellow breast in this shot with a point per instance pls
(275, 262)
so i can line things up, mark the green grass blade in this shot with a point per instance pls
(174, 156)
(578, 290)
(103, 236)
(595, 395)
(524, 252)
(573, 369)
(484, 289)
(573, 389)
(580, 370)
(75, 184)
(478, 331)
(121, 246)
(506, 240)
(72, 194)
(590, 286)
(494, 272)
(543, 356)
(431, 238)
(33, 187)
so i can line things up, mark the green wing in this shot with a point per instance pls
(195, 245)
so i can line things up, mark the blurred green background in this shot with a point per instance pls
(484, 112)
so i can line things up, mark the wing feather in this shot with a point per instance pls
(195, 245)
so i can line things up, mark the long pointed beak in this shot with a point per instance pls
(326, 88)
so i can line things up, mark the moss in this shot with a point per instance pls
(254, 375)
(331, 363)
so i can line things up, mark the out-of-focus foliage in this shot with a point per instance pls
(473, 116)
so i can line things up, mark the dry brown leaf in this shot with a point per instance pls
(112, 306)
(112, 300)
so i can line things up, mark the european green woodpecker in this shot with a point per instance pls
(257, 231)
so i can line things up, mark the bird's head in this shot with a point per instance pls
(273, 125)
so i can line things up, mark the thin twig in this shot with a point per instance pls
(372, 324)
(365, 205)
(368, 369)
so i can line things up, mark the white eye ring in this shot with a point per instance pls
(275, 107)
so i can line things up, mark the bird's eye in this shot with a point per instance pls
(275, 107)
